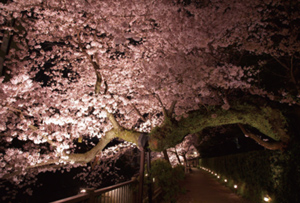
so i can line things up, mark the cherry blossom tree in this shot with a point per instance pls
(121, 69)
(185, 150)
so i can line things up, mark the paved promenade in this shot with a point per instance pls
(202, 188)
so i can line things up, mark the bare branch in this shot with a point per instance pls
(281, 63)
(139, 113)
(172, 151)
(21, 116)
(200, 104)
(95, 66)
(162, 105)
(272, 72)
(292, 72)
(95, 161)
(15, 173)
(106, 87)
(171, 109)
(98, 83)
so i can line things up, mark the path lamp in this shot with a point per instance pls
(267, 198)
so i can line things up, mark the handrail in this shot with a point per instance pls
(106, 189)
(74, 199)
(91, 193)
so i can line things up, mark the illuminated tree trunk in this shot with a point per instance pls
(177, 156)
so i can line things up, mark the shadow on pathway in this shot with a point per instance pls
(202, 188)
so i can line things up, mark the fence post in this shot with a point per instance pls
(143, 144)
(141, 178)
(91, 193)
(134, 190)
(149, 177)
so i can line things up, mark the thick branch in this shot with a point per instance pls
(268, 121)
(124, 134)
(113, 121)
(117, 132)
(90, 155)
(267, 145)
(82, 158)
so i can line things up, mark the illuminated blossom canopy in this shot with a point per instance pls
(84, 69)
(183, 151)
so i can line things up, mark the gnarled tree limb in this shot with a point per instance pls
(267, 145)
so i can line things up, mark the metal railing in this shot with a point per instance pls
(120, 193)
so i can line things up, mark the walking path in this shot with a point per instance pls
(202, 188)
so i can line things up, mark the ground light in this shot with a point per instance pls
(267, 199)
(235, 186)
(83, 191)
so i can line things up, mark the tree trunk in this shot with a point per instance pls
(166, 156)
(177, 156)
(185, 164)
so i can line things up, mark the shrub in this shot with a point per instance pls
(167, 178)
